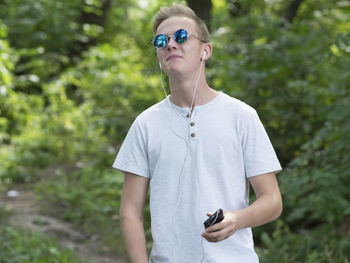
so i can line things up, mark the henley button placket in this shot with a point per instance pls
(193, 130)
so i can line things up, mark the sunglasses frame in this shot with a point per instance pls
(168, 38)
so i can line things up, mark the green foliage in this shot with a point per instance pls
(40, 24)
(18, 246)
(49, 32)
(88, 198)
(112, 79)
(53, 34)
(118, 19)
(6, 64)
(69, 91)
(322, 244)
(61, 135)
(316, 184)
(4, 214)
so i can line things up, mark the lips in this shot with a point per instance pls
(173, 57)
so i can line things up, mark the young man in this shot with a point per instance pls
(198, 149)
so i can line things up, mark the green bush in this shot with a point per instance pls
(62, 135)
(315, 186)
(113, 79)
(89, 198)
(322, 244)
(44, 33)
(19, 246)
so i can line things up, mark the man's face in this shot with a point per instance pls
(179, 58)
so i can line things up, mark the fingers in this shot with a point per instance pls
(221, 230)
(218, 232)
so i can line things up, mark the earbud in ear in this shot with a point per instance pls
(160, 65)
(204, 54)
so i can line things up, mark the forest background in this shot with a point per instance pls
(75, 74)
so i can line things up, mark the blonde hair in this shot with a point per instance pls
(166, 12)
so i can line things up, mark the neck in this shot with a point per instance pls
(182, 90)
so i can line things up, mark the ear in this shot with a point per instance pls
(208, 50)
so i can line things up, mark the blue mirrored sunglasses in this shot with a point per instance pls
(180, 36)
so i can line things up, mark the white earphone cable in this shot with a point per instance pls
(187, 146)
(195, 87)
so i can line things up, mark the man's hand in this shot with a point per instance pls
(267, 207)
(223, 229)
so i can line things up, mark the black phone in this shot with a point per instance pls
(215, 218)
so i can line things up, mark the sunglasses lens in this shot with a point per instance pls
(181, 36)
(160, 41)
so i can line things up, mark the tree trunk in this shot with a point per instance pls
(292, 10)
(202, 8)
(92, 18)
(238, 8)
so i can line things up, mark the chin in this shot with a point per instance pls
(174, 69)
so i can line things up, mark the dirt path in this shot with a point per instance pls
(27, 215)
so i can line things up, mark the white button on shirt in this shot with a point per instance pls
(197, 164)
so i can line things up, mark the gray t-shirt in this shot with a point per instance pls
(196, 165)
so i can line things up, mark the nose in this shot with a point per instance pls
(172, 44)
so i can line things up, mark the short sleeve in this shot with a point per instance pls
(132, 156)
(258, 153)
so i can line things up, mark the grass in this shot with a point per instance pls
(20, 246)
(89, 199)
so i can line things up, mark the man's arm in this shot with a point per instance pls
(267, 207)
(131, 216)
